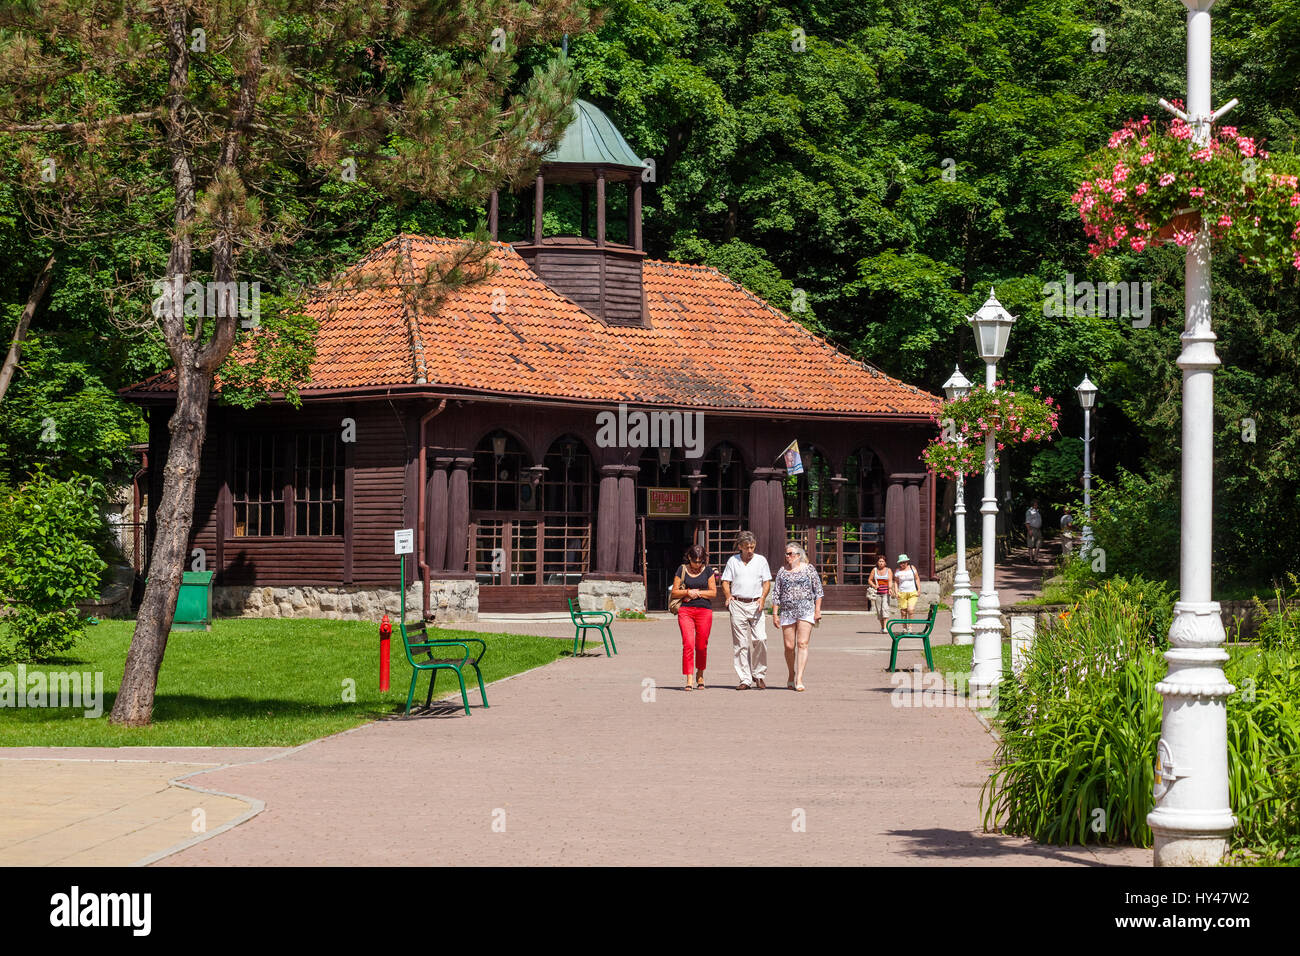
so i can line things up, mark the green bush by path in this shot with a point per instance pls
(1079, 730)
(48, 562)
(255, 682)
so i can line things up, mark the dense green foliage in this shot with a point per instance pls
(891, 160)
(48, 561)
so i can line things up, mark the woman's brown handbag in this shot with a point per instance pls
(675, 604)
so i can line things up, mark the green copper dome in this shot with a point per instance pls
(592, 138)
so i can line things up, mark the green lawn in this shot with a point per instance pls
(254, 682)
(956, 658)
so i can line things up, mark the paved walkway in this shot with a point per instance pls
(83, 808)
(601, 760)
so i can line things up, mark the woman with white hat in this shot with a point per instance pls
(908, 584)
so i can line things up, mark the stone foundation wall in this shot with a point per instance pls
(453, 602)
(334, 604)
(613, 596)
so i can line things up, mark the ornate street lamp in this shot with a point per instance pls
(992, 327)
(959, 386)
(1193, 819)
(1087, 393)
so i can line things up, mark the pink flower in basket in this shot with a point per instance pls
(1167, 179)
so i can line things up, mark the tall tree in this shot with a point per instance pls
(211, 118)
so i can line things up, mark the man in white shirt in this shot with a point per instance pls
(1034, 529)
(746, 581)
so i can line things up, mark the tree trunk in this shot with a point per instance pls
(174, 515)
(24, 322)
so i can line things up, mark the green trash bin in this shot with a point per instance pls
(194, 603)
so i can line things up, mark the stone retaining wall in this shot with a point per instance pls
(613, 596)
(945, 569)
(333, 604)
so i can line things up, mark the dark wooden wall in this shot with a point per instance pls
(376, 469)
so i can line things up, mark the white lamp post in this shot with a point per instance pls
(1087, 393)
(958, 386)
(992, 325)
(1193, 816)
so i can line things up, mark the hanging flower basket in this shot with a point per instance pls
(1008, 414)
(1155, 183)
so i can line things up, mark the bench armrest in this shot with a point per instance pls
(889, 626)
(431, 644)
(605, 617)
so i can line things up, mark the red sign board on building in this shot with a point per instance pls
(668, 502)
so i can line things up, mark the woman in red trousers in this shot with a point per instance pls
(695, 584)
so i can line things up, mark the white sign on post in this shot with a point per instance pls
(1022, 637)
(404, 541)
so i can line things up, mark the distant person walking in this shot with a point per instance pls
(797, 606)
(907, 585)
(695, 584)
(1067, 532)
(880, 583)
(746, 581)
(1034, 529)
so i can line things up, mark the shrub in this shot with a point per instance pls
(1135, 521)
(1081, 722)
(48, 562)
(1280, 629)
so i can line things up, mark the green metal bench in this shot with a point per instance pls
(415, 639)
(584, 621)
(922, 636)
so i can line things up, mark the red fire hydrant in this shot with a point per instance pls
(385, 635)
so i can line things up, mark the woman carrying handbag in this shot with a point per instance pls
(694, 586)
(880, 584)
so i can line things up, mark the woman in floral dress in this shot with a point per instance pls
(796, 606)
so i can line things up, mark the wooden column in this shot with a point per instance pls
(494, 214)
(758, 515)
(458, 513)
(607, 515)
(437, 516)
(634, 213)
(586, 210)
(627, 518)
(912, 520)
(600, 207)
(895, 520)
(775, 498)
(539, 189)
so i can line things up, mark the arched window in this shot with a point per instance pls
(498, 474)
(722, 490)
(811, 494)
(568, 502)
(864, 513)
(569, 485)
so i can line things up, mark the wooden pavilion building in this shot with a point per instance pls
(564, 428)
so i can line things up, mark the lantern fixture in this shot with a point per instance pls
(957, 386)
(1087, 393)
(992, 326)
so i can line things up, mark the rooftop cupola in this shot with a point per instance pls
(602, 276)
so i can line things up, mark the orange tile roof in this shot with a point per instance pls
(711, 343)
